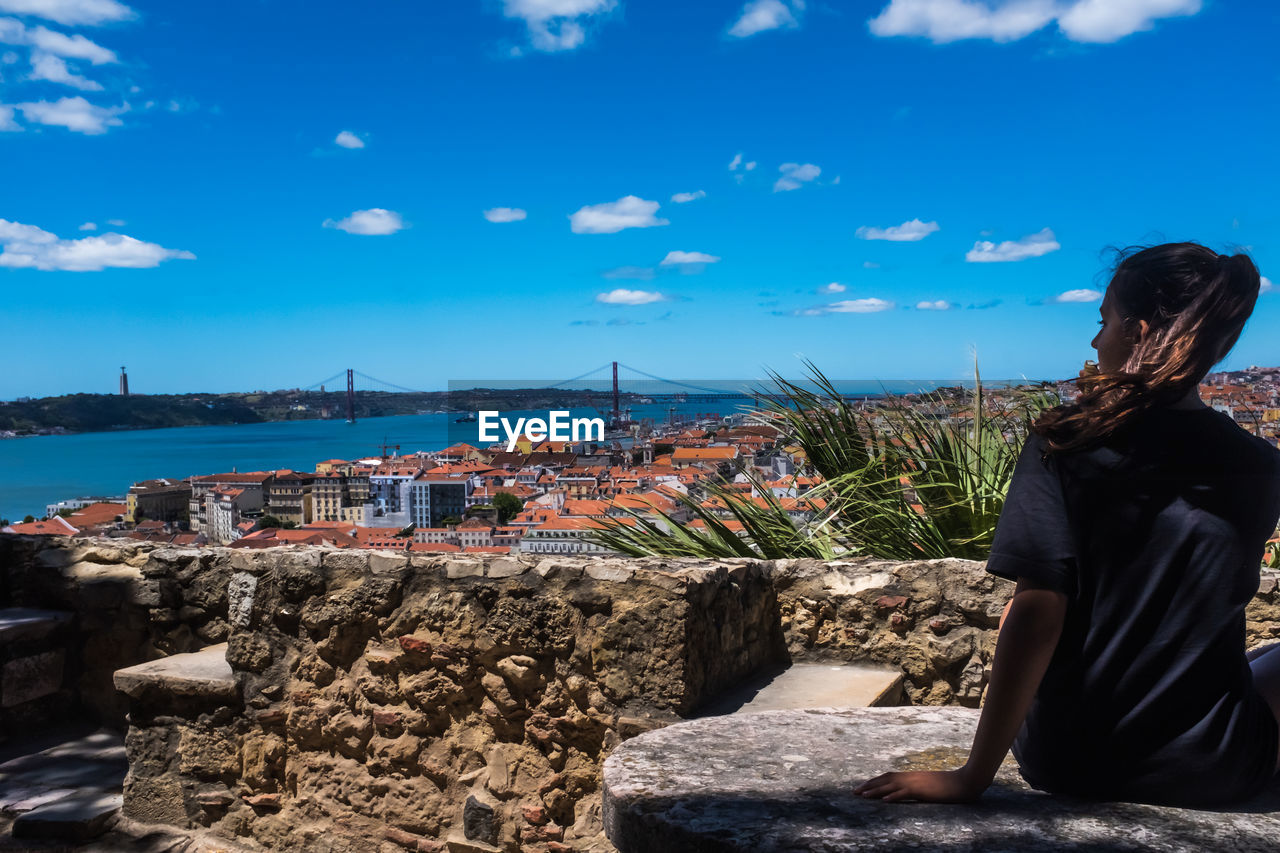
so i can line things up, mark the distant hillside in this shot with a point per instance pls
(103, 412)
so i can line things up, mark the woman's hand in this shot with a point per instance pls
(931, 786)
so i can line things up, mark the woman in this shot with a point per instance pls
(1134, 527)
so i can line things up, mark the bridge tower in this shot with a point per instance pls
(615, 417)
(351, 396)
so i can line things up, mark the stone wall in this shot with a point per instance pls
(379, 701)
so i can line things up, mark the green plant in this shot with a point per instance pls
(896, 483)
(1271, 555)
(767, 530)
(406, 532)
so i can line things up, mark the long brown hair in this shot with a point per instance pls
(1195, 302)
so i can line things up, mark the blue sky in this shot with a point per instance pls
(259, 252)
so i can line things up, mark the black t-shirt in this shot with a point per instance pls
(1156, 537)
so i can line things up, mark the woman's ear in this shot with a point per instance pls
(1143, 328)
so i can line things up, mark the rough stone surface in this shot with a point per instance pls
(377, 691)
(33, 677)
(781, 780)
(201, 675)
(75, 817)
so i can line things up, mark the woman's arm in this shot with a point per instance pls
(1028, 637)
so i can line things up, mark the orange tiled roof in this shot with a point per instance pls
(56, 526)
(99, 513)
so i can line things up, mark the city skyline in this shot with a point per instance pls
(260, 195)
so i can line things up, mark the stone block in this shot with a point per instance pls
(609, 573)
(27, 678)
(735, 784)
(464, 569)
(77, 817)
(240, 593)
(199, 675)
(505, 568)
(382, 563)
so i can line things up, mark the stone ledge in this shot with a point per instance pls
(781, 781)
(197, 675)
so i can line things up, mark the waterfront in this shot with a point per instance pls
(39, 470)
(36, 471)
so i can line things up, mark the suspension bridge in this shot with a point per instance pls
(607, 383)
(610, 387)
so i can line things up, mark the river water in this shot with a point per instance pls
(40, 470)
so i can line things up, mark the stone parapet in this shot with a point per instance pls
(782, 780)
(431, 701)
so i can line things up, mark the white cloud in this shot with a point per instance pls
(555, 24)
(1265, 285)
(372, 222)
(117, 223)
(859, 306)
(46, 66)
(950, 20)
(866, 305)
(870, 265)
(938, 305)
(1111, 20)
(1032, 246)
(71, 47)
(1009, 20)
(761, 15)
(907, 232)
(794, 175)
(505, 214)
(622, 296)
(833, 287)
(12, 31)
(26, 246)
(1082, 295)
(674, 258)
(347, 139)
(610, 217)
(684, 198)
(75, 114)
(89, 226)
(72, 12)
(7, 124)
(737, 162)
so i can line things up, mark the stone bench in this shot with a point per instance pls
(183, 712)
(781, 781)
(203, 675)
(32, 665)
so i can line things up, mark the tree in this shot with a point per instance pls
(30, 518)
(269, 521)
(450, 521)
(65, 513)
(508, 506)
(406, 532)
